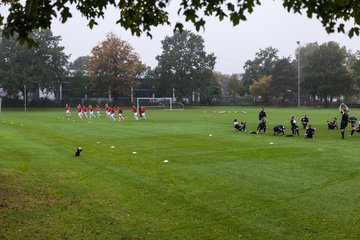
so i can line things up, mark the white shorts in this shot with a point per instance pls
(67, 111)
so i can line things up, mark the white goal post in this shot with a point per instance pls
(158, 101)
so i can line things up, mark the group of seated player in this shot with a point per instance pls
(309, 130)
(280, 129)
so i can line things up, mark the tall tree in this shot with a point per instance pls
(234, 85)
(355, 71)
(325, 72)
(79, 81)
(114, 66)
(261, 66)
(79, 64)
(283, 78)
(183, 65)
(141, 15)
(43, 67)
(261, 87)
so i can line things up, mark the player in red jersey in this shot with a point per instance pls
(120, 112)
(98, 111)
(142, 112)
(134, 110)
(80, 113)
(67, 110)
(108, 110)
(85, 111)
(91, 112)
(112, 113)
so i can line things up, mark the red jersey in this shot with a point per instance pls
(142, 110)
(112, 110)
(133, 109)
(90, 108)
(120, 110)
(79, 108)
(67, 107)
(84, 109)
(98, 108)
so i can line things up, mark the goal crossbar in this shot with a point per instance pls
(155, 99)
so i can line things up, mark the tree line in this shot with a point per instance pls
(113, 69)
(328, 71)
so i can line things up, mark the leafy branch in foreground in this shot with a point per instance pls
(139, 16)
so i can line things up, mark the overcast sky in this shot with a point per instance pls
(269, 25)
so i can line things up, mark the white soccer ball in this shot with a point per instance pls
(210, 135)
(165, 161)
(134, 152)
(112, 147)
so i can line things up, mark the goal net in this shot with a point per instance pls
(159, 103)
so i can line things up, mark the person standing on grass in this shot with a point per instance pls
(352, 120)
(85, 111)
(120, 112)
(310, 131)
(344, 110)
(98, 111)
(80, 113)
(134, 110)
(262, 114)
(91, 112)
(67, 110)
(304, 121)
(294, 127)
(108, 110)
(112, 113)
(261, 126)
(142, 112)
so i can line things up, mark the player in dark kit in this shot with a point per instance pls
(262, 125)
(344, 110)
(310, 132)
(239, 127)
(294, 127)
(333, 124)
(304, 121)
(352, 120)
(262, 114)
(279, 129)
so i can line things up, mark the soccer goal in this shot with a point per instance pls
(160, 103)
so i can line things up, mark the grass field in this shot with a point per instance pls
(230, 185)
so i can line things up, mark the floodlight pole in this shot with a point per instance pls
(298, 61)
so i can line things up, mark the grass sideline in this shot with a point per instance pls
(229, 185)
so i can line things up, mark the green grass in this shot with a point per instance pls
(230, 185)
